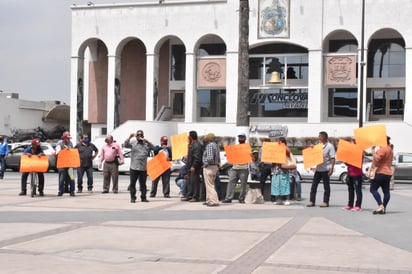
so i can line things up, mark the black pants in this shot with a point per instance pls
(24, 181)
(194, 184)
(264, 173)
(140, 175)
(165, 184)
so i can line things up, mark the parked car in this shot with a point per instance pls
(403, 163)
(13, 159)
(125, 167)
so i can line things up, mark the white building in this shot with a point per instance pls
(130, 62)
(19, 114)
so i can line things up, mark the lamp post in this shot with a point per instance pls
(362, 65)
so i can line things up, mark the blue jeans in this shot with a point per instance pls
(381, 181)
(89, 174)
(64, 177)
(3, 166)
(181, 183)
(324, 176)
(355, 185)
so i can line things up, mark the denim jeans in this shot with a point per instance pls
(381, 181)
(64, 177)
(355, 185)
(89, 174)
(324, 176)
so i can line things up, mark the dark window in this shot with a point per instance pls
(178, 62)
(278, 103)
(343, 46)
(386, 58)
(211, 103)
(343, 102)
(212, 49)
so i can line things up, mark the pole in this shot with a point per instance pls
(362, 66)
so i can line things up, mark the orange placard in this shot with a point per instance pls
(312, 156)
(273, 152)
(369, 136)
(68, 157)
(179, 145)
(157, 165)
(238, 154)
(34, 163)
(349, 153)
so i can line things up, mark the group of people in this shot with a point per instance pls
(203, 162)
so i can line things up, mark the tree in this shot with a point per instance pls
(242, 118)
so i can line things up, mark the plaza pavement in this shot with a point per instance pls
(105, 233)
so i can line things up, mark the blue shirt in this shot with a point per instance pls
(4, 148)
(30, 150)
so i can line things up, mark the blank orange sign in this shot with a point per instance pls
(179, 145)
(349, 153)
(34, 163)
(369, 136)
(157, 165)
(238, 154)
(312, 156)
(68, 157)
(273, 152)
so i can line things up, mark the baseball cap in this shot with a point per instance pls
(66, 137)
(35, 142)
(242, 135)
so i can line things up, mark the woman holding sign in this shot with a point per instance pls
(382, 160)
(34, 149)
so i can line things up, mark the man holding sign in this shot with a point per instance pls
(34, 149)
(236, 173)
(323, 171)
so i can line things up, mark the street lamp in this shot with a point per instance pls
(362, 65)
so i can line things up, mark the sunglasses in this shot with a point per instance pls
(139, 135)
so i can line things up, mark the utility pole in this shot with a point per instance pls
(362, 66)
(242, 118)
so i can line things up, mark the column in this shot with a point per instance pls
(407, 115)
(190, 88)
(231, 86)
(75, 74)
(111, 75)
(317, 97)
(150, 79)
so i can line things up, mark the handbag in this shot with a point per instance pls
(290, 162)
(371, 172)
(117, 160)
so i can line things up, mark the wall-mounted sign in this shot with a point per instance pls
(211, 73)
(341, 70)
(273, 19)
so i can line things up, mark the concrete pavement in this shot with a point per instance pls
(105, 233)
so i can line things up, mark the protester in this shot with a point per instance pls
(236, 173)
(211, 163)
(34, 149)
(194, 164)
(66, 175)
(354, 183)
(141, 148)
(382, 162)
(4, 151)
(87, 151)
(323, 171)
(165, 176)
(112, 156)
(280, 183)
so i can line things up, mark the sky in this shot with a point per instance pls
(35, 47)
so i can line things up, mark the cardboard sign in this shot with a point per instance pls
(312, 156)
(273, 152)
(68, 157)
(157, 165)
(34, 163)
(179, 144)
(238, 154)
(349, 153)
(369, 136)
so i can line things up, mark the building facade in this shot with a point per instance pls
(172, 66)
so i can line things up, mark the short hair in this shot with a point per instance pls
(282, 140)
(324, 133)
(193, 134)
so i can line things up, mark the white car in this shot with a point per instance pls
(340, 171)
(125, 167)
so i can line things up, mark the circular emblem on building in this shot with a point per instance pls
(212, 72)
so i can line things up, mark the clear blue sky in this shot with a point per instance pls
(35, 47)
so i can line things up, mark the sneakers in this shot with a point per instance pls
(286, 203)
(347, 207)
(311, 204)
(356, 208)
